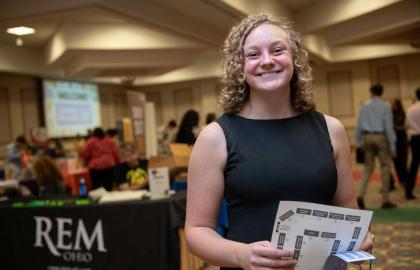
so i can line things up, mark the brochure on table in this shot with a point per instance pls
(159, 182)
(315, 231)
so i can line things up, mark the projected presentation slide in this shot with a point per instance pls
(70, 107)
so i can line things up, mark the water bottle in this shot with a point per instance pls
(82, 188)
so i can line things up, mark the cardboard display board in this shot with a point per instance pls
(176, 163)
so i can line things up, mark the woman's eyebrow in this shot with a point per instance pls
(274, 43)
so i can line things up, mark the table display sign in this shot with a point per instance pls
(159, 182)
(56, 235)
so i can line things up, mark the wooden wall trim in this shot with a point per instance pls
(8, 125)
(350, 101)
(382, 79)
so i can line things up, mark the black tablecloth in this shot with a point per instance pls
(125, 235)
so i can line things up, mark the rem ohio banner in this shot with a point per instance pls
(130, 235)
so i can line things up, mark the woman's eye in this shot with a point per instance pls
(278, 50)
(252, 55)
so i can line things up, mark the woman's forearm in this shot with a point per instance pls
(212, 248)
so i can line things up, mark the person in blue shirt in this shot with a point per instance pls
(376, 135)
(13, 161)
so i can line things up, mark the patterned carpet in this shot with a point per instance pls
(397, 231)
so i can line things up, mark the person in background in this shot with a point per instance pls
(400, 159)
(112, 133)
(57, 149)
(48, 176)
(267, 146)
(26, 162)
(413, 123)
(210, 117)
(101, 156)
(186, 129)
(89, 134)
(167, 135)
(375, 134)
(132, 174)
(17, 160)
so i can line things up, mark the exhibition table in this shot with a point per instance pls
(58, 234)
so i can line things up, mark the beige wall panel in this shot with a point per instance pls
(120, 107)
(320, 89)
(105, 110)
(10, 107)
(115, 103)
(168, 108)
(389, 78)
(360, 83)
(5, 130)
(340, 93)
(31, 107)
(16, 120)
(200, 98)
(380, 68)
(413, 74)
(183, 101)
(155, 97)
(208, 99)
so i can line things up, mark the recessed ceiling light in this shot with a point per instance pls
(19, 41)
(20, 31)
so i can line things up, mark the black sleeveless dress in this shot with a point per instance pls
(273, 160)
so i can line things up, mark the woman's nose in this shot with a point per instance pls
(267, 59)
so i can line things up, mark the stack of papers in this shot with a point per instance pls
(126, 195)
(12, 184)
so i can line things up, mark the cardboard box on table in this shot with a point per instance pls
(176, 163)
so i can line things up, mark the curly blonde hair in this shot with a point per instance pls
(235, 91)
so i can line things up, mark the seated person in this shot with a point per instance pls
(132, 174)
(17, 156)
(49, 178)
(57, 149)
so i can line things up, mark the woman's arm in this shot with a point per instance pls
(205, 192)
(345, 193)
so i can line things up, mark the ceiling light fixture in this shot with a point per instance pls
(20, 31)
(19, 41)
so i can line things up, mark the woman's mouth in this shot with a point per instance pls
(268, 74)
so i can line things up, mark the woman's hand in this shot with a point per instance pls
(367, 244)
(260, 255)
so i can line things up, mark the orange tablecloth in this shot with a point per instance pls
(72, 177)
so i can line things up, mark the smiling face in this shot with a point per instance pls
(268, 60)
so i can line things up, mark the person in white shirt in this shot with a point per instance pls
(413, 123)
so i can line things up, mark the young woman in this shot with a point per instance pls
(268, 146)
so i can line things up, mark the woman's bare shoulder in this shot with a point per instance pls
(334, 125)
(212, 133)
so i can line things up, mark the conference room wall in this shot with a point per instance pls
(399, 75)
(21, 105)
(173, 99)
